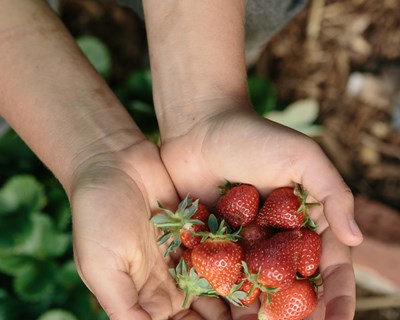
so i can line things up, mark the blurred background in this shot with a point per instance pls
(332, 73)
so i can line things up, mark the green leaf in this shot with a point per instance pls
(300, 116)
(21, 195)
(7, 306)
(14, 230)
(102, 315)
(44, 240)
(36, 282)
(57, 314)
(68, 276)
(97, 53)
(63, 219)
(139, 85)
(16, 157)
(160, 219)
(140, 106)
(212, 223)
(262, 94)
(12, 265)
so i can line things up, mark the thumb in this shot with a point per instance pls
(115, 291)
(324, 183)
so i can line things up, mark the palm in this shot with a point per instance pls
(240, 146)
(115, 245)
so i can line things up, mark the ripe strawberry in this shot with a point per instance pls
(181, 224)
(310, 253)
(189, 240)
(293, 303)
(189, 281)
(244, 292)
(286, 208)
(218, 261)
(275, 259)
(253, 233)
(251, 291)
(238, 204)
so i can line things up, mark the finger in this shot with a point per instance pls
(115, 291)
(247, 313)
(338, 278)
(211, 308)
(325, 184)
(187, 315)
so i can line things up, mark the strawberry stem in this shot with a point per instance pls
(302, 194)
(171, 222)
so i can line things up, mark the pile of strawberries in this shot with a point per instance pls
(248, 250)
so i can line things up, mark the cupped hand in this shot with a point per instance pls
(113, 196)
(236, 144)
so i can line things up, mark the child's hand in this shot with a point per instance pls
(115, 244)
(240, 146)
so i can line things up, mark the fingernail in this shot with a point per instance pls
(354, 228)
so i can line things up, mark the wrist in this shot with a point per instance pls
(180, 118)
(52, 97)
(196, 56)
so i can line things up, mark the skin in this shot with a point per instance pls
(113, 176)
(211, 133)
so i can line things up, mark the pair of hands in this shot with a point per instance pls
(114, 194)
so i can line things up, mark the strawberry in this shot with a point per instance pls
(218, 261)
(218, 258)
(293, 303)
(253, 233)
(243, 293)
(189, 281)
(238, 204)
(252, 291)
(275, 259)
(286, 208)
(189, 240)
(310, 253)
(181, 224)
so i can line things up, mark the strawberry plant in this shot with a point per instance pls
(38, 278)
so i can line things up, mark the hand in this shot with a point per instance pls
(116, 253)
(236, 144)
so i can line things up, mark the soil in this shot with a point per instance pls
(345, 54)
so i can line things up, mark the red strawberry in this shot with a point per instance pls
(253, 233)
(189, 240)
(310, 253)
(275, 259)
(218, 261)
(239, 204)
(246, 287)
(188, 281)
(244, 292)
(285, 208)
(293, 303)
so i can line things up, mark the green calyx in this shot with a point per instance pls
(226, 187)
(253, 278)
(190, 282)
(235, 296)
(172, 222)
(302, 194)
(218, 231)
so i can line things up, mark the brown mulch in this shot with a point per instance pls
(315, 55)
